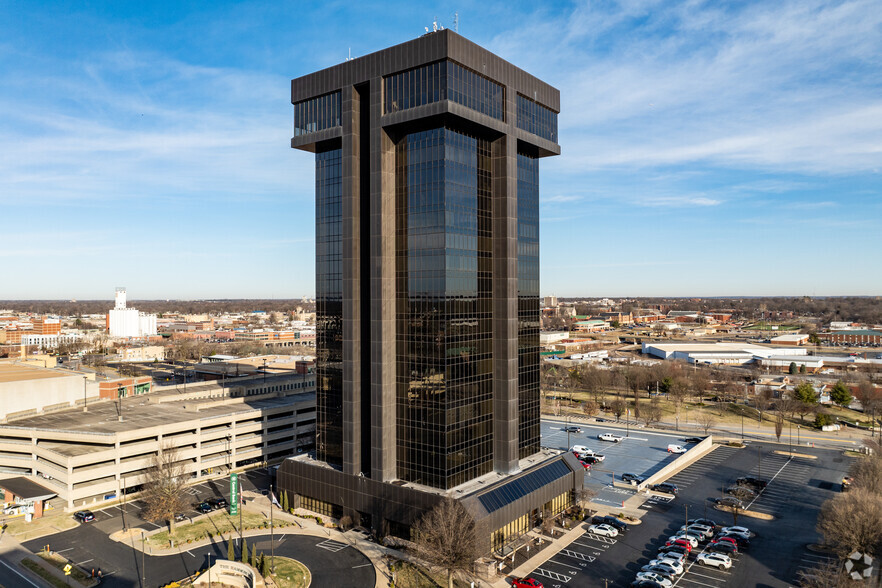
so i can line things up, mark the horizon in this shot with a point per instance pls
(704, 148)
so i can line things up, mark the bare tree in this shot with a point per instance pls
(164, 485)
(584, 496)
(590, 407)
(445, 538)
(651, 413)
(699, 383)
(618, 407)
(852, 522)
(706, 420)
(678, 391)
(779, 424)
(867, 473)
(824, 575)
(762, 402)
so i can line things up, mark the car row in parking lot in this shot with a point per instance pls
(674, 558)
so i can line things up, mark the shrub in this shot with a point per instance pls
(822, 419)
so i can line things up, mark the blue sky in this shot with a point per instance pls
(709, 148)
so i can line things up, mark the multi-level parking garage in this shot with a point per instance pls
(95, 456)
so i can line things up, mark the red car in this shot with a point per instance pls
(684, 544)
(729, 539)
(525, 583)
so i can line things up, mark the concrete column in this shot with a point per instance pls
(382, 292)
(352, 335)
(505, 291)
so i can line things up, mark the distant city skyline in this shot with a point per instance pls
(707, 150)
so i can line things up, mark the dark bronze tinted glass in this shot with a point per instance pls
(537, 119)
(444, 367)
(528, 305)
(329, 306)
(317, 114)
(444, 80)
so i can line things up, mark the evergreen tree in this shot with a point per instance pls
(253, 561)
(840, 394)
(231, 550)
(244, 554)
(792, 369)
(285, 500)
(263, 567)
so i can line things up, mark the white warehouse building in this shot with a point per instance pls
(719, 353)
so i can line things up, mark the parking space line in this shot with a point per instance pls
(577, 555)
(553, 575)
(684, 578)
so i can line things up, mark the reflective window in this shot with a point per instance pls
(537, 119)
(317, 114)
(444, 80)
(329, 305)
(444, 317)
(528, 305)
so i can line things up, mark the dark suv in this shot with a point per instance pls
(633, 478)
(611, 521)
(665, 487)
(84, 516)
(203, 507)
(217, 503)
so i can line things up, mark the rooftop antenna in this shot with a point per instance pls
(456, 22)
(435, 25)
(350, 55)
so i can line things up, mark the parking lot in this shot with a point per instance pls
(129, 514)
(639, 452)
(797, 487)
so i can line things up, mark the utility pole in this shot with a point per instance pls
(85, 407)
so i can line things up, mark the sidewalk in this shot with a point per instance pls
(540, 558)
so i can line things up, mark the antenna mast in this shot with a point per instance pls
(456, 22)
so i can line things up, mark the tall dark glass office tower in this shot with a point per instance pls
(427, 259)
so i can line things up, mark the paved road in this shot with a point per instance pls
(798, 487)
(330, 562)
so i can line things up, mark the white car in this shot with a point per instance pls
(716, 560)
(744, 531)
(675, 567)
(692, 539)
(673, 556)
(605, 530)
(610, 437)
(702, 531)
(658, 579)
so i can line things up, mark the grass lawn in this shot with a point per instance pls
(213, 525)
(726, 413)
(291, 573)
(58, 561)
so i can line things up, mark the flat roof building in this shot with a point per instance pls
(427, 277)
(94, 456)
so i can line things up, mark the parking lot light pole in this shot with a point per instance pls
(686, 506)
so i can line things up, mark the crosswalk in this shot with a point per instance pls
(332, 546)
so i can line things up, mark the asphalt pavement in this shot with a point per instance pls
(797, 488)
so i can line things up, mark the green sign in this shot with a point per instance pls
(234, 494)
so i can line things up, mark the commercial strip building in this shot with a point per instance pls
(95, 456)
(853, 337)
(719, 353)
(427, 288)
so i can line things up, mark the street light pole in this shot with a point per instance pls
(272, 539)
(85, 407)
(143, 569)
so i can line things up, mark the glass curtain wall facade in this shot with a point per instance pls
(535, 118)
(444, 365)
(329, 305)
(528, 305)
(444, 80)
(317, 114)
